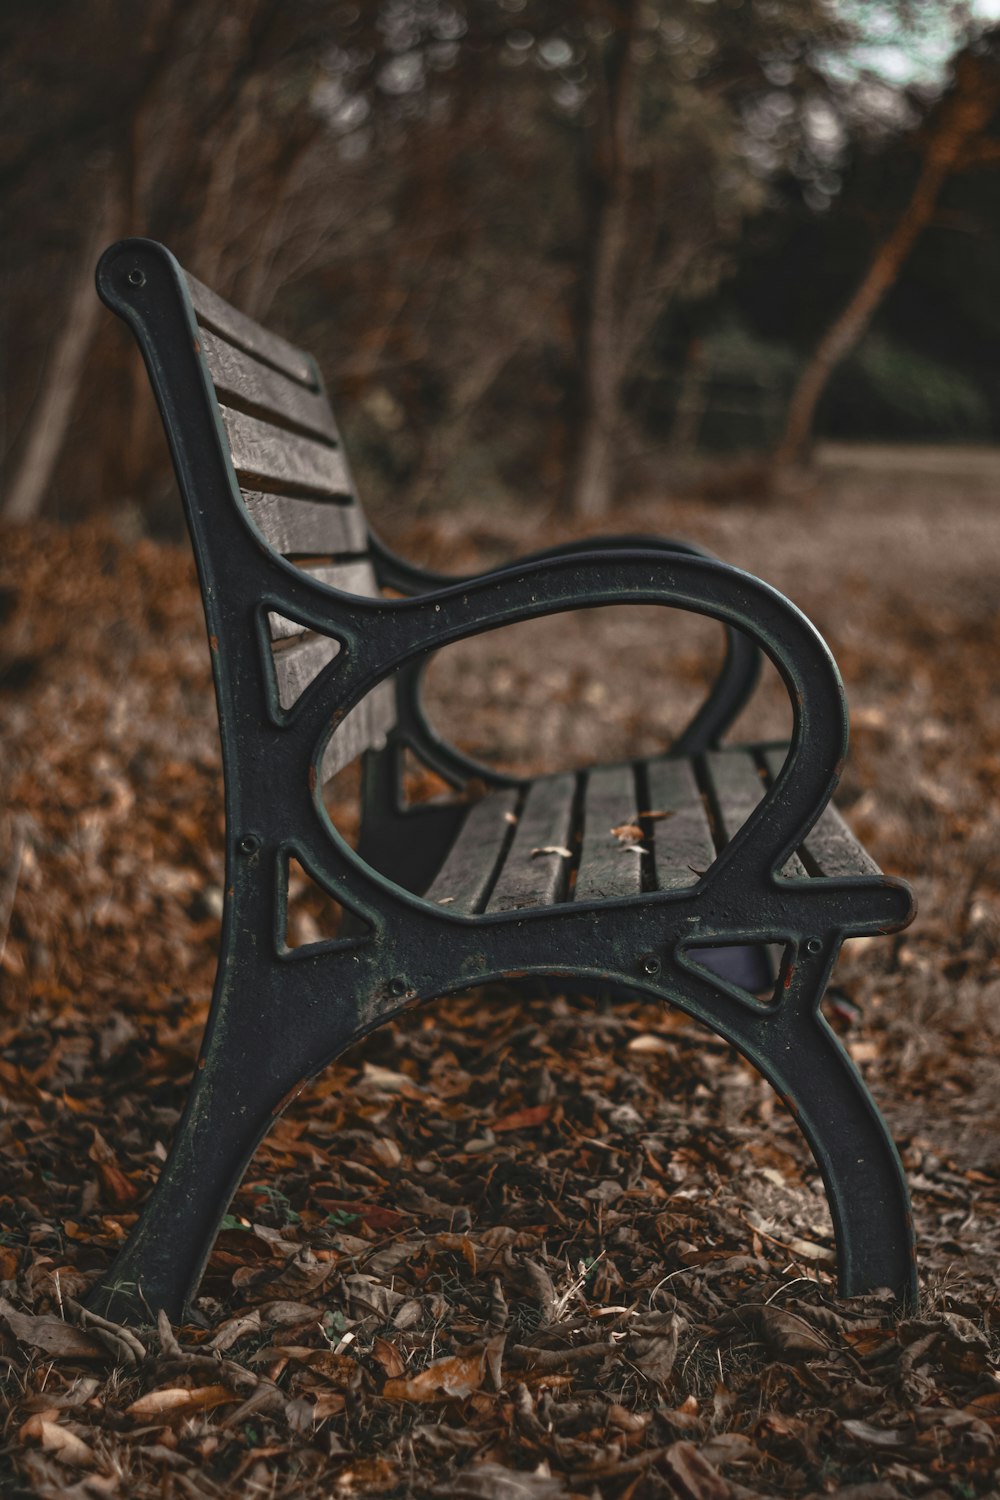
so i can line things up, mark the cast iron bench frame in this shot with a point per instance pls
(278, 1015)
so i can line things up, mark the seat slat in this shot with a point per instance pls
(830, 845)
(310, 528)
(607, 868)
(738, 790)
(213, 311)
(241, 378)
(464, 879)
(263, 453)
(545, 823)
(683, 847)
(350, 578)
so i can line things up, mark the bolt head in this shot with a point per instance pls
(397, 986)
(814, 946)
(137, 277)
(649, 963)
(249, 844)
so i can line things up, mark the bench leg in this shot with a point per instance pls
(795, 1049)
(253, 1062)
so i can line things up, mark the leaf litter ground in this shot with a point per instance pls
(511, 1247)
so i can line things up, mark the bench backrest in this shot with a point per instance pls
(297, 490)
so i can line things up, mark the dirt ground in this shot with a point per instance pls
(512, 1248)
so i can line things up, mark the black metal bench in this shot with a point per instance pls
(314, 667)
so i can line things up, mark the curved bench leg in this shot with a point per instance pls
(252, 1065)
(795, 1049)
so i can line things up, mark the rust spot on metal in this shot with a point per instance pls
(838, 769)
(201, 1063)
(197, 347)
(213, 642)
(312, 778)
(788, 976)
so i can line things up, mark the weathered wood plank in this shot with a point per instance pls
(463, 881)
(265, 454)
(213, 311)
(738, 789)
(297, 665)
(307, 528)
(546, 822)
(243, 380)
(831, 846)
(364, 728)
(350, 578)
(683, 847)
(607, 868)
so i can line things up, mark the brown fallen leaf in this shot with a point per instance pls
(445, 1379)
(51, 1335)
(523, 1119)
(692, 1476)
(388, 1357)
(627, 833)
(60, 1441)
(175, 1400)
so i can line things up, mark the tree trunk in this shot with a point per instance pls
(601, 345)
(62, 377)
(964, 115)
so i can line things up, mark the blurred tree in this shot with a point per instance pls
(476, 212)
(953, 139)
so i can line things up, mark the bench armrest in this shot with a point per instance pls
(381, 636)
(731, 690)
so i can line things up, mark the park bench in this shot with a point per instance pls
(318, 636)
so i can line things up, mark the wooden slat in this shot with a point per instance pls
(350, 578)
(831, 846)
(683, 847)
(546, 822)
(607, 868)
(463, 881)
(307, 528)
(297, 665)
(235, 326)
(245, 381)
(265, 454)
(738, 790)
(364, 728)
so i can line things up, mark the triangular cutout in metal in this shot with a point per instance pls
(759, 969)
(312, 915)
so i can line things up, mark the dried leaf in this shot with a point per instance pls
(173, 1401)
(60, 1441)
(52, 1336)
(453, 1377)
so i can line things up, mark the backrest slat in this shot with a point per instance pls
(308, 528)
(241, 380)
(297, 490)
(350, 578)
(265, 454)
(297, 664)
(214, 312)
(364, 728)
